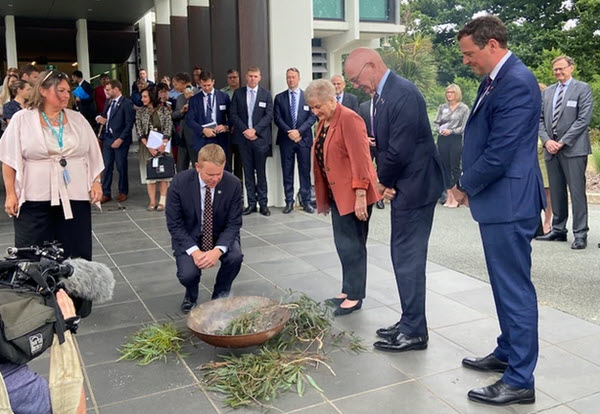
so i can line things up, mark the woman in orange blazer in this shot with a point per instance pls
(345, 182)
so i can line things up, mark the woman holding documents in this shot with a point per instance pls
(154, 124)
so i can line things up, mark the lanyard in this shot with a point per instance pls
(59, 134)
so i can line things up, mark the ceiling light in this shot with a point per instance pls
(33, 63)
(90, 9)
(74, 64)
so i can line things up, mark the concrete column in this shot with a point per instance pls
(11, 42)
(83, 53)
(199, 38)
(162, 10)
(146, 46)
(180, 56)
(290, 23)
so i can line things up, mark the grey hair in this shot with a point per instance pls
(320, 90)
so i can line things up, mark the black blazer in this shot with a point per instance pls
(350, 101)
(184, 212)
(197, 116)
(121, 121)
(283, 119)
(262, 116)
(87, 107)
(364, 110)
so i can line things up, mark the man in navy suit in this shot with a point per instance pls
(251, 115)
(207, 116)
(84, 97)
(410, 176)
(117, 124)
(345, 98)
(294, 120)
(502, 182)
(204, 217)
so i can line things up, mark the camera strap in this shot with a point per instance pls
(50, 299)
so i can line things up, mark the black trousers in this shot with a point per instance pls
(189, 275)
(254, 160)
(450, 149)
(234, 159)
(350, 237)
(410, 239)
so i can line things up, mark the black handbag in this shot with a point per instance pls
(160, 167)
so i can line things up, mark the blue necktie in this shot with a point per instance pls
(294, 110)
(339, 98)
(111, 111)
(251, 107)
(208, 107)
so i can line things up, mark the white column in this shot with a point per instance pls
(11, 42)
(83, 53)
(162, 10)
(179, 8)
(199, 3)
(147, 44)
(290, 23)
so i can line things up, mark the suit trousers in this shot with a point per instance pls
(234, 159)
(507, 248)
(189, 275)
(288, 151)
(186, 154)
(411, 229)
(350, 238)
(254, 160)
(568, 172)
(113, 156)
(450, 149)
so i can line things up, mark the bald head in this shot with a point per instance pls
(364, 68)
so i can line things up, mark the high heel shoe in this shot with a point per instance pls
(346, 311)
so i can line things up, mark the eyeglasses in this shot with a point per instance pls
(357, 77)
(560, 69)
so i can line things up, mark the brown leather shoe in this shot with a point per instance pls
(121, 197)
(105, 199)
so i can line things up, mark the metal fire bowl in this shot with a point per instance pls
(211, 316)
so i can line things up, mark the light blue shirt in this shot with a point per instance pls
(382, 82)
(249, 101)
(340, 97)
(557, 90)
(202, 197)
(212, 103)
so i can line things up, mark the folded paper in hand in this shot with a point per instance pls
(211, 125)
(155, 140)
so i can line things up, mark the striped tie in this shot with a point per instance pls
(557, 106)
(294, 110)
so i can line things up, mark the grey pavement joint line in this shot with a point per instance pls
(86, 377)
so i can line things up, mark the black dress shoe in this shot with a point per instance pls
(308, 208)
(402, 342)
(249, 210)
(334, 302)
(553, 235)
(389, 332)
(187, 305)
(265, 211)
(488, 363)
(501, 393)
(380, 205)
(346, 311)
(579, 243)
(289, 207)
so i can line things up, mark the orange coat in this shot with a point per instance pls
(347, 162)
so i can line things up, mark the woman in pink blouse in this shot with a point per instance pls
(51, 164)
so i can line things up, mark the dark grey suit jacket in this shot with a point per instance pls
(350, 101)
(575, 117)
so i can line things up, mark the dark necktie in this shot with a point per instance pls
(294, 110)
(556, 113)
(209, 106)
(339, 98)
(111, 111)
(207, 222)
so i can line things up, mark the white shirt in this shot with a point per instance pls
(212, 103)
(340, 97)
(494, 73)
(557, 90)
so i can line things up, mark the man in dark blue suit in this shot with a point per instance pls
(410, 176)
(251, 115)
(294, 120)
(117, 124)
(204, 217)
(502, 182)
(207, 116)
(84, 97)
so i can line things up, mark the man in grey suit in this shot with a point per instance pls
(345, 98)
(566, 115)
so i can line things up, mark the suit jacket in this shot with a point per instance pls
(283, 120)
(350, 101)
(407, 158)
(184, 211)
(120, 124)
(364, 110)
(573, 122)
(261, 117)
(501, 173)
(347, 163)
(87, 106)
(197, 116)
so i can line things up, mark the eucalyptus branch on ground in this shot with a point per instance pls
(151, 343)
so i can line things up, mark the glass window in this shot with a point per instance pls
(376, 10)
(328, 9)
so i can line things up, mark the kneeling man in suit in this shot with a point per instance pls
(204, 217)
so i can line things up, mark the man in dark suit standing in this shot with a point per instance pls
(345, 98)
(251, 115)
(208, 116)
(410, 176)
(566, 116)
(117, 124)
(365, 110)
(84, 97)
(204, 217)
(502, 182)
(294, 121)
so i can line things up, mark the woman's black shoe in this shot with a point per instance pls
(346, 311)
(334, 302)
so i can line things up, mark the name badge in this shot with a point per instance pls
(262, 104)
(571, 104)
(222, 107)
(306, 108)
(445, 110)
